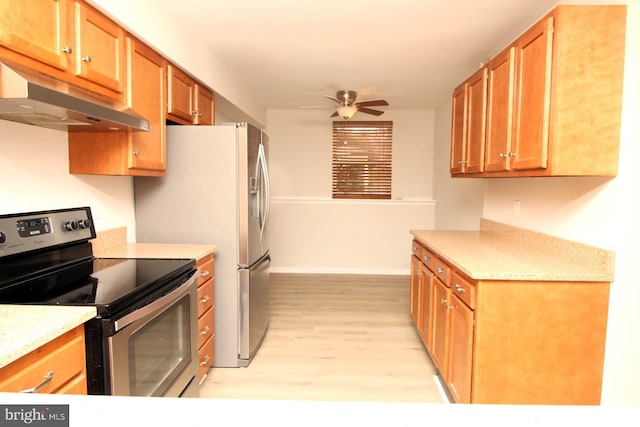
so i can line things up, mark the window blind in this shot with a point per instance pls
(362, 159)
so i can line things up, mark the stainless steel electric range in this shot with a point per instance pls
(143, 341)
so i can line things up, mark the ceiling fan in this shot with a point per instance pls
(347, 105)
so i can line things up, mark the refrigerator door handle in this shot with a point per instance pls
(264, 214)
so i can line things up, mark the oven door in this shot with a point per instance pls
(154, 350)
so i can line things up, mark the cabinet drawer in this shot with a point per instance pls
(205, 327)
(416, 249)
(64, 357)
(206, 267)
(206, 296)
(464, 289)
(442, 270)
(428, 258)
(205, 358)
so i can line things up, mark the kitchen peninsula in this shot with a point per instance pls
(510, 315)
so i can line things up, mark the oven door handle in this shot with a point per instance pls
(163, 302)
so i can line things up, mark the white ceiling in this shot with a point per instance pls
(289, 53)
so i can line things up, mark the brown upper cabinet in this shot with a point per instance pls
(67, 40)
(72, 42)
(553, 100)
(129, 153)
(189, 102)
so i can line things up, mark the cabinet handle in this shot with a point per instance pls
(205, 331)
(205, 361)
(205, 299)
(47, 379)
(459, 288)
(86, 59)
(196, 113)
(462, 162)
(67, 49)
(443, 301)
(426, 258)
(136, 153)
(205, 273)
(512, 154)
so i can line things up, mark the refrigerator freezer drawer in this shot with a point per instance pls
(254, 308)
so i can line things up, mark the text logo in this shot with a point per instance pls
(34, 415)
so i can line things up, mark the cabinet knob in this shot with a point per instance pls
(502, 155)
(439, 270)
(205, 330)
(459, 288)
(462, 162)
(512, 154)
(136, 153)
(443, 301)
(67, 49)
(86, 59)
(196, 113)
(205, 299)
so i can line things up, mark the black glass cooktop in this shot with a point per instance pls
(110, 284)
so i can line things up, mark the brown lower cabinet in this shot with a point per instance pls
(56, 367)
(512, 342)
(206, 315)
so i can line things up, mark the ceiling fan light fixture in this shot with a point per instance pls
(346, 111)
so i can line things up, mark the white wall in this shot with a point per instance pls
(35, 176)
(311, 232)
(459, 201)
(601, 212)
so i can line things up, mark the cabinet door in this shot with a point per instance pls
(441, 312)
(146, 83)
(416, 278)
(99, 48)
(180, 101)
(427, 307)
(458, 129)
(500, 97)
(460, 351)
(476, 119)
(531, 134)
(205, 106)
(50, 44)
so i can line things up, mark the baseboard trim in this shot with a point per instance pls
(366, 271)
(441, 388)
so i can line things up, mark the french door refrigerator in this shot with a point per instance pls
(216, 191)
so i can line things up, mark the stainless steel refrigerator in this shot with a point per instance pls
(216, 190)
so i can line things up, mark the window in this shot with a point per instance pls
(362, 160)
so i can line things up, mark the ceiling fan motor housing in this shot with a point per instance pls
(347, 97)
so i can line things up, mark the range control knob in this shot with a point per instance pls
(84, 223)
(3, 237)
(70, 225)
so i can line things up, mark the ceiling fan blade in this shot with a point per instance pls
(334, 114)
(370, 111)
(376, 103)
(333, 98)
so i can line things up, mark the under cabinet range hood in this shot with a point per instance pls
(41, 101)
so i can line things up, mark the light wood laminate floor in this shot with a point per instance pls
(334, 337)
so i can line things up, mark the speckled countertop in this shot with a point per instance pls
(154, 250)
(502, 252)
(24, 328)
